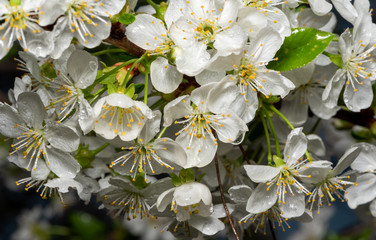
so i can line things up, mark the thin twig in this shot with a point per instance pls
(223, 197)
(244, 154)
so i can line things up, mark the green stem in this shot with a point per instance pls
(100, 149)
(153, 4)
(105, 51)
(129, 72)
(146, 88)
(267, 139)
(282, 116)
(273, 132)
(98, 80)
(97, 95)
(290, 125)
(162, 132)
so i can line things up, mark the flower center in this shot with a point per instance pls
(120, 120)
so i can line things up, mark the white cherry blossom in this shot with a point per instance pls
(20, 21)
(149, 155)
(37, 138)
(119, 115)
(201, 116)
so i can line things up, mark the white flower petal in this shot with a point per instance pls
(294, 204)
(208, 76)
(226, 95)
(229, 127)
(8, 120)
(294, 109)
(260, 173)
(296, 146)
(192, 193)
(171, 152)
(63, 184)
(176, 109)
(240, 193)
(230, 41)
(346, 9)
(61, 163)
(320, 7)
(164, 77)
(207, 225)
(318, 107)
(31, 109)
(366, 160)
(316, 145)
(41, 171)
(372, 208)
(272, 83)
(82, 68)
(363, 193)
(85, 115)
(346, 160)
(200, 151)
(51, 10)
(265, 46)
(358, 98)
(146, 32)
(165, 199)
(151, 128)
(333, 89)
(61, 136)
(262, 198)
(110, 7)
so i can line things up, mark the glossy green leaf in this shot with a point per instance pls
(127, 19)
(300, 48)
(175, 180)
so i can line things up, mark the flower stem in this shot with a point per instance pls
(267, 139)
(282, 116)
(126, 80)
(290, 125)
(273, 132)
(100, 149)
(112, 50)
(146, 88)
(98, 80)
(153, 4)
(162, 132)
(223, 197)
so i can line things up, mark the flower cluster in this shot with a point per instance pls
(234, 87)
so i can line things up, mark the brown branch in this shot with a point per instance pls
(244, 154)
(118, 39)
(223, 197)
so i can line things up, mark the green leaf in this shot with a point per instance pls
(175, 180)
(127, 19)
(111, 88)
(109, 80)
(337, 60)
(187, 175)
(300, 48)
(200, 177)
(130, 90)
(139, 87)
